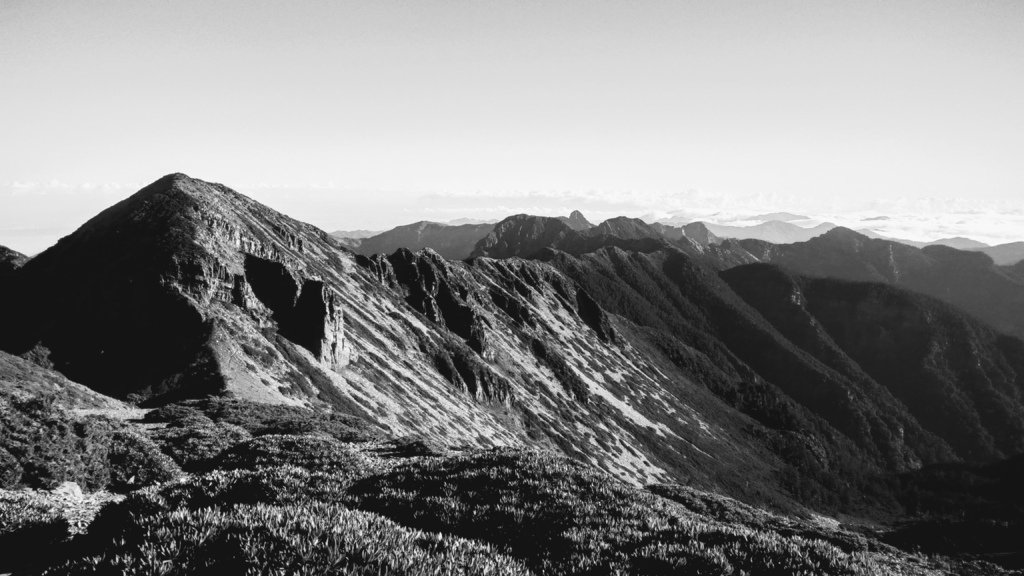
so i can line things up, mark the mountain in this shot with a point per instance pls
(625, 228)
(526, 394)
(946, 368)
(10, 261)
(462, 221)
(774, 231)
(351, 239)
(528, 236)
(576, 221)
(968, 280)
(1004, 254)
(960, 243)
(454, 242)
(814, 364)
(354, 234)
(699, 233)
(628, 353)
(778, 216)
(188, 289)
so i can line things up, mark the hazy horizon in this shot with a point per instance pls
(370, 115)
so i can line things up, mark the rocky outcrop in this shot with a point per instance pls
(427, 281)
(306, 311)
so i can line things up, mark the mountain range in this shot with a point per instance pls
(804, 376)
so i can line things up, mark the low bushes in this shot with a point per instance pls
(259, 419)
(137, 461)
(195, 446)
(49, 446)
(321, 453)
(42, 446)
(309, 538)
(564, 518)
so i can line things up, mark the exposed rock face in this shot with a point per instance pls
(430, 288)
(968, 280)
(452, 242)
(307, 312)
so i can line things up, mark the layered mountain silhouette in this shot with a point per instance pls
(968, 280)
(653, 353)
(452, 242)
(1004, 254)
(774, 231)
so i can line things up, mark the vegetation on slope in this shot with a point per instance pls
(313, 504)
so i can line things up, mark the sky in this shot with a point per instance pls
(366, 115)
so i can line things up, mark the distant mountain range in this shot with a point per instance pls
(457, 241)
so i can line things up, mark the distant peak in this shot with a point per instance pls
(577, 221)
(843, 232)
(699, 233)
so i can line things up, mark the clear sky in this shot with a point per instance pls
(370, 114)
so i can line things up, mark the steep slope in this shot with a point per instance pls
(968, 280)
(189, 288)
(756, 368)
(961, 381)
(770, 357)
(21, 377)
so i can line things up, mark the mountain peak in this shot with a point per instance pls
(699, 233)
(576, 221)
(522, 235)
(625, 228)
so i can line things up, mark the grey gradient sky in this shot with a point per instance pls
(370, 114)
